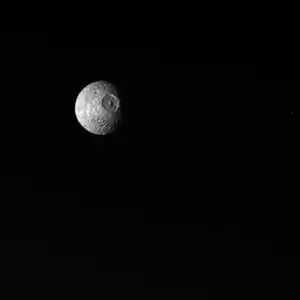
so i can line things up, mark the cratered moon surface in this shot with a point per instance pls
(97, 108)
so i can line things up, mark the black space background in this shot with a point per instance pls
(175, 101)
(171, 101)
(165, 114)
(178, 103)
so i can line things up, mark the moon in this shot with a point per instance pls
(98, 109)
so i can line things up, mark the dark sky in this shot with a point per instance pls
(160, 88)
(173, 100)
